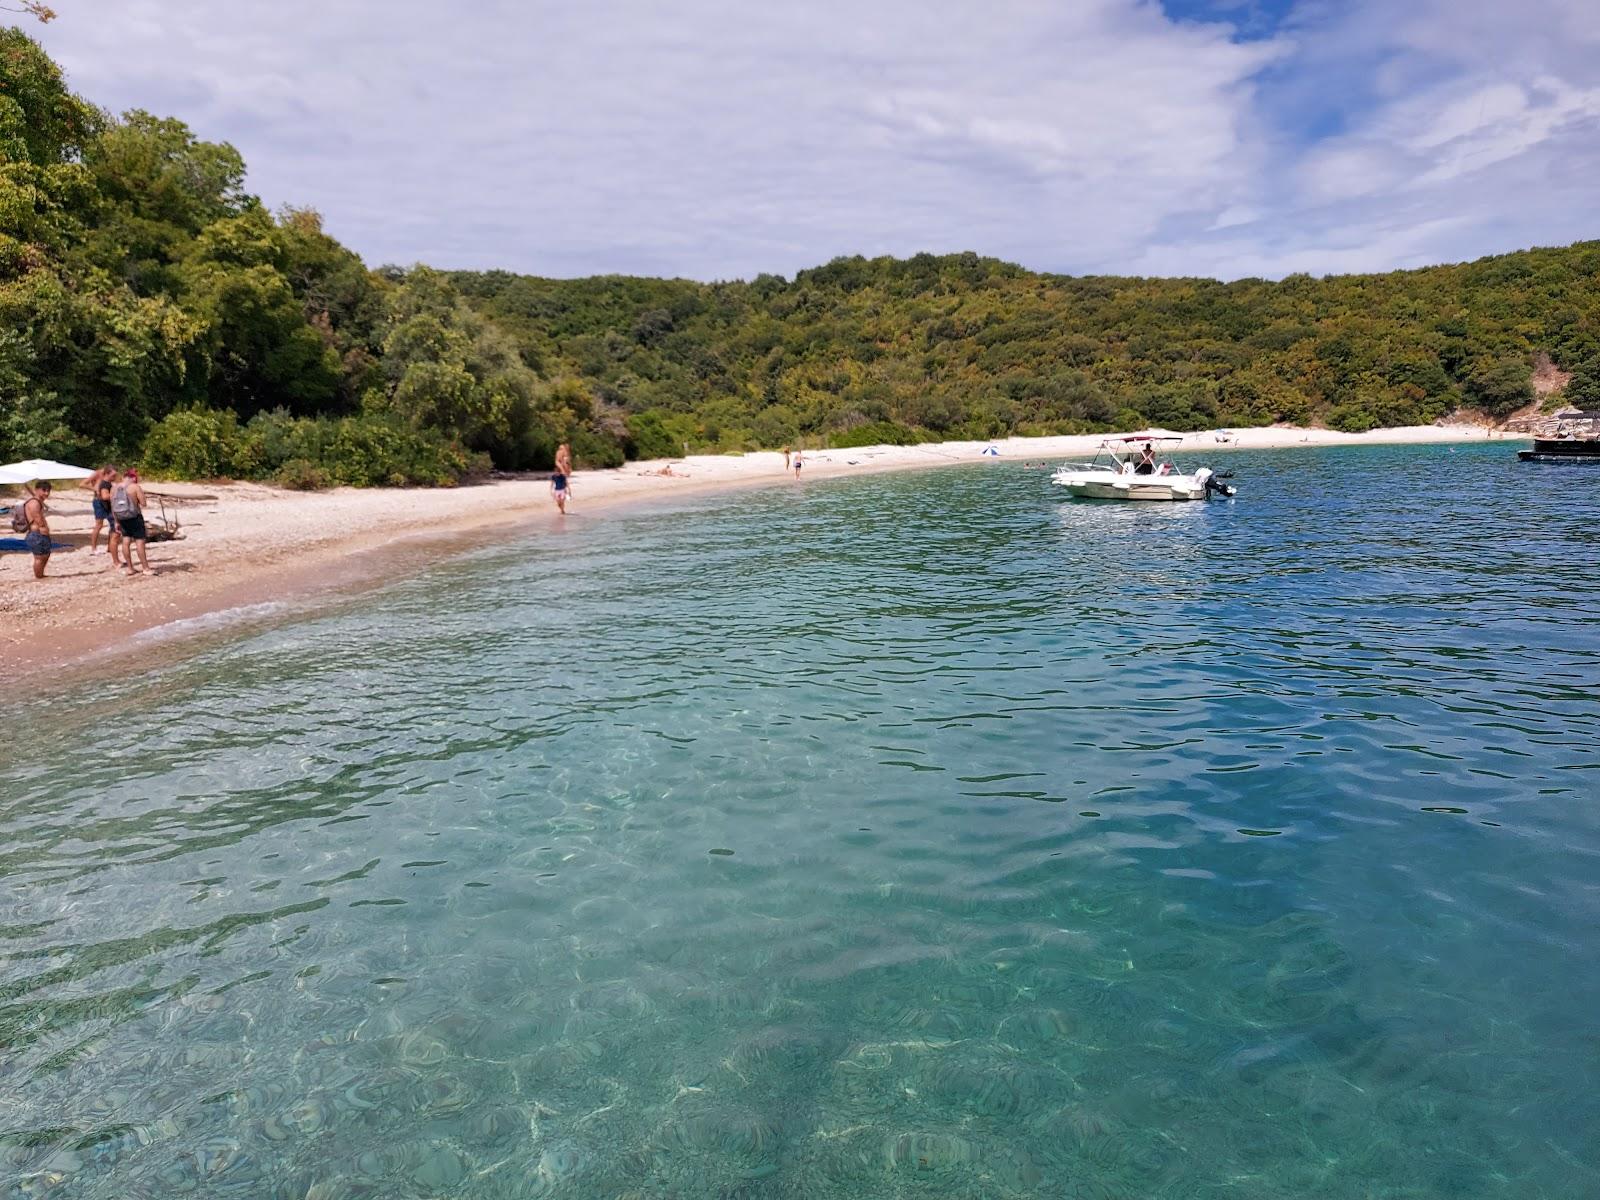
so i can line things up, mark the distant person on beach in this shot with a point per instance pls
(127, 508)
(786, 458)
(560, 478)
(100, 485)
(799, 461)
(37, 524)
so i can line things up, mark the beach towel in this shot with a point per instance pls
(20, 545)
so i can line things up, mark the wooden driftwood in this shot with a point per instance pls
(165, 528)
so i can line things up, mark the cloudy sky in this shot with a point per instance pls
(721, 138)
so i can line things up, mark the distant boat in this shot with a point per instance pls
(1570, 437)
(1114, 474)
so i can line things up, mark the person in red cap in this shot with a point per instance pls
(127, 508)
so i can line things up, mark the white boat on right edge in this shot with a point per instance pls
(1127, 468)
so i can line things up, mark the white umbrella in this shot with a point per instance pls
(40, 468)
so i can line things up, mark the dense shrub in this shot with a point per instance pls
(1583, 389)
(649, 437)
(876, 433)
(592, 450)
(301, 475)
(195, 443)
(371, 450)
(1500, 386)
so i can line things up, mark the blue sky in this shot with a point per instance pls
(719, 139)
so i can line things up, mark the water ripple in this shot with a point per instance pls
(917, 835)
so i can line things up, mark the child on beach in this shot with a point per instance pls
(560, 478)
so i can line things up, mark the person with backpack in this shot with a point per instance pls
(127, 509)
(29, 519)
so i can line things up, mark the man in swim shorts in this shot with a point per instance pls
(100, 484)
(127, 507)
(38, 535)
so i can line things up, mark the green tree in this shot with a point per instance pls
(258, 351)
(1583, 389)
(1500, 386)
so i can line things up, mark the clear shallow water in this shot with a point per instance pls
(920, 835)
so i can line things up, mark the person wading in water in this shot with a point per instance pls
(561, 477)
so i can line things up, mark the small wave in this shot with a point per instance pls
(220, 619)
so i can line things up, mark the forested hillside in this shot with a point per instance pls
(152, 310)
(962, 346)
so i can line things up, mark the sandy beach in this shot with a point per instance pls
(247, 544)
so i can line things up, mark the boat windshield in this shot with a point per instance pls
(1124, 453)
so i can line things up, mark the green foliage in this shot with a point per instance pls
(40, 121)
(649, 436)
(369, 450)
(1500, 386)
(963, 346)
(1583, 389)
(877, 433)
(194, 443)
(301, 475)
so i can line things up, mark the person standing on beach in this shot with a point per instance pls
(38, 535)
(561, 478)
(786, 458)
(100, 485)
(127, 507)
(108, 486)
(799, 461)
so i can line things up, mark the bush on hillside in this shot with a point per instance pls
(1583, 389)
(875, 433)
(594, 450)
(1500, 386)
(371, 450)
(649, 437)
(194, 443)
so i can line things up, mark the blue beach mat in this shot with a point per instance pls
(20, 545)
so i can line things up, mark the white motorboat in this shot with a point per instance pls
(1126, 468)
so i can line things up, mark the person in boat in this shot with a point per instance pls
(1147, 460)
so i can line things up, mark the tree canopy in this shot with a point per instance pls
(151, 307)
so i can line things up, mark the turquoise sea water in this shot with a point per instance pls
(918, 835)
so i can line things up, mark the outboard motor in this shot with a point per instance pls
(1213, 483)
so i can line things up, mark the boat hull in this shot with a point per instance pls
(1562, 450)
(1148, 488)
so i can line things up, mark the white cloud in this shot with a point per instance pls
(1465, 127)
(707, 138)
(714, 139)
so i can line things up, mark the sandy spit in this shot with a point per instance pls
(247, 544)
